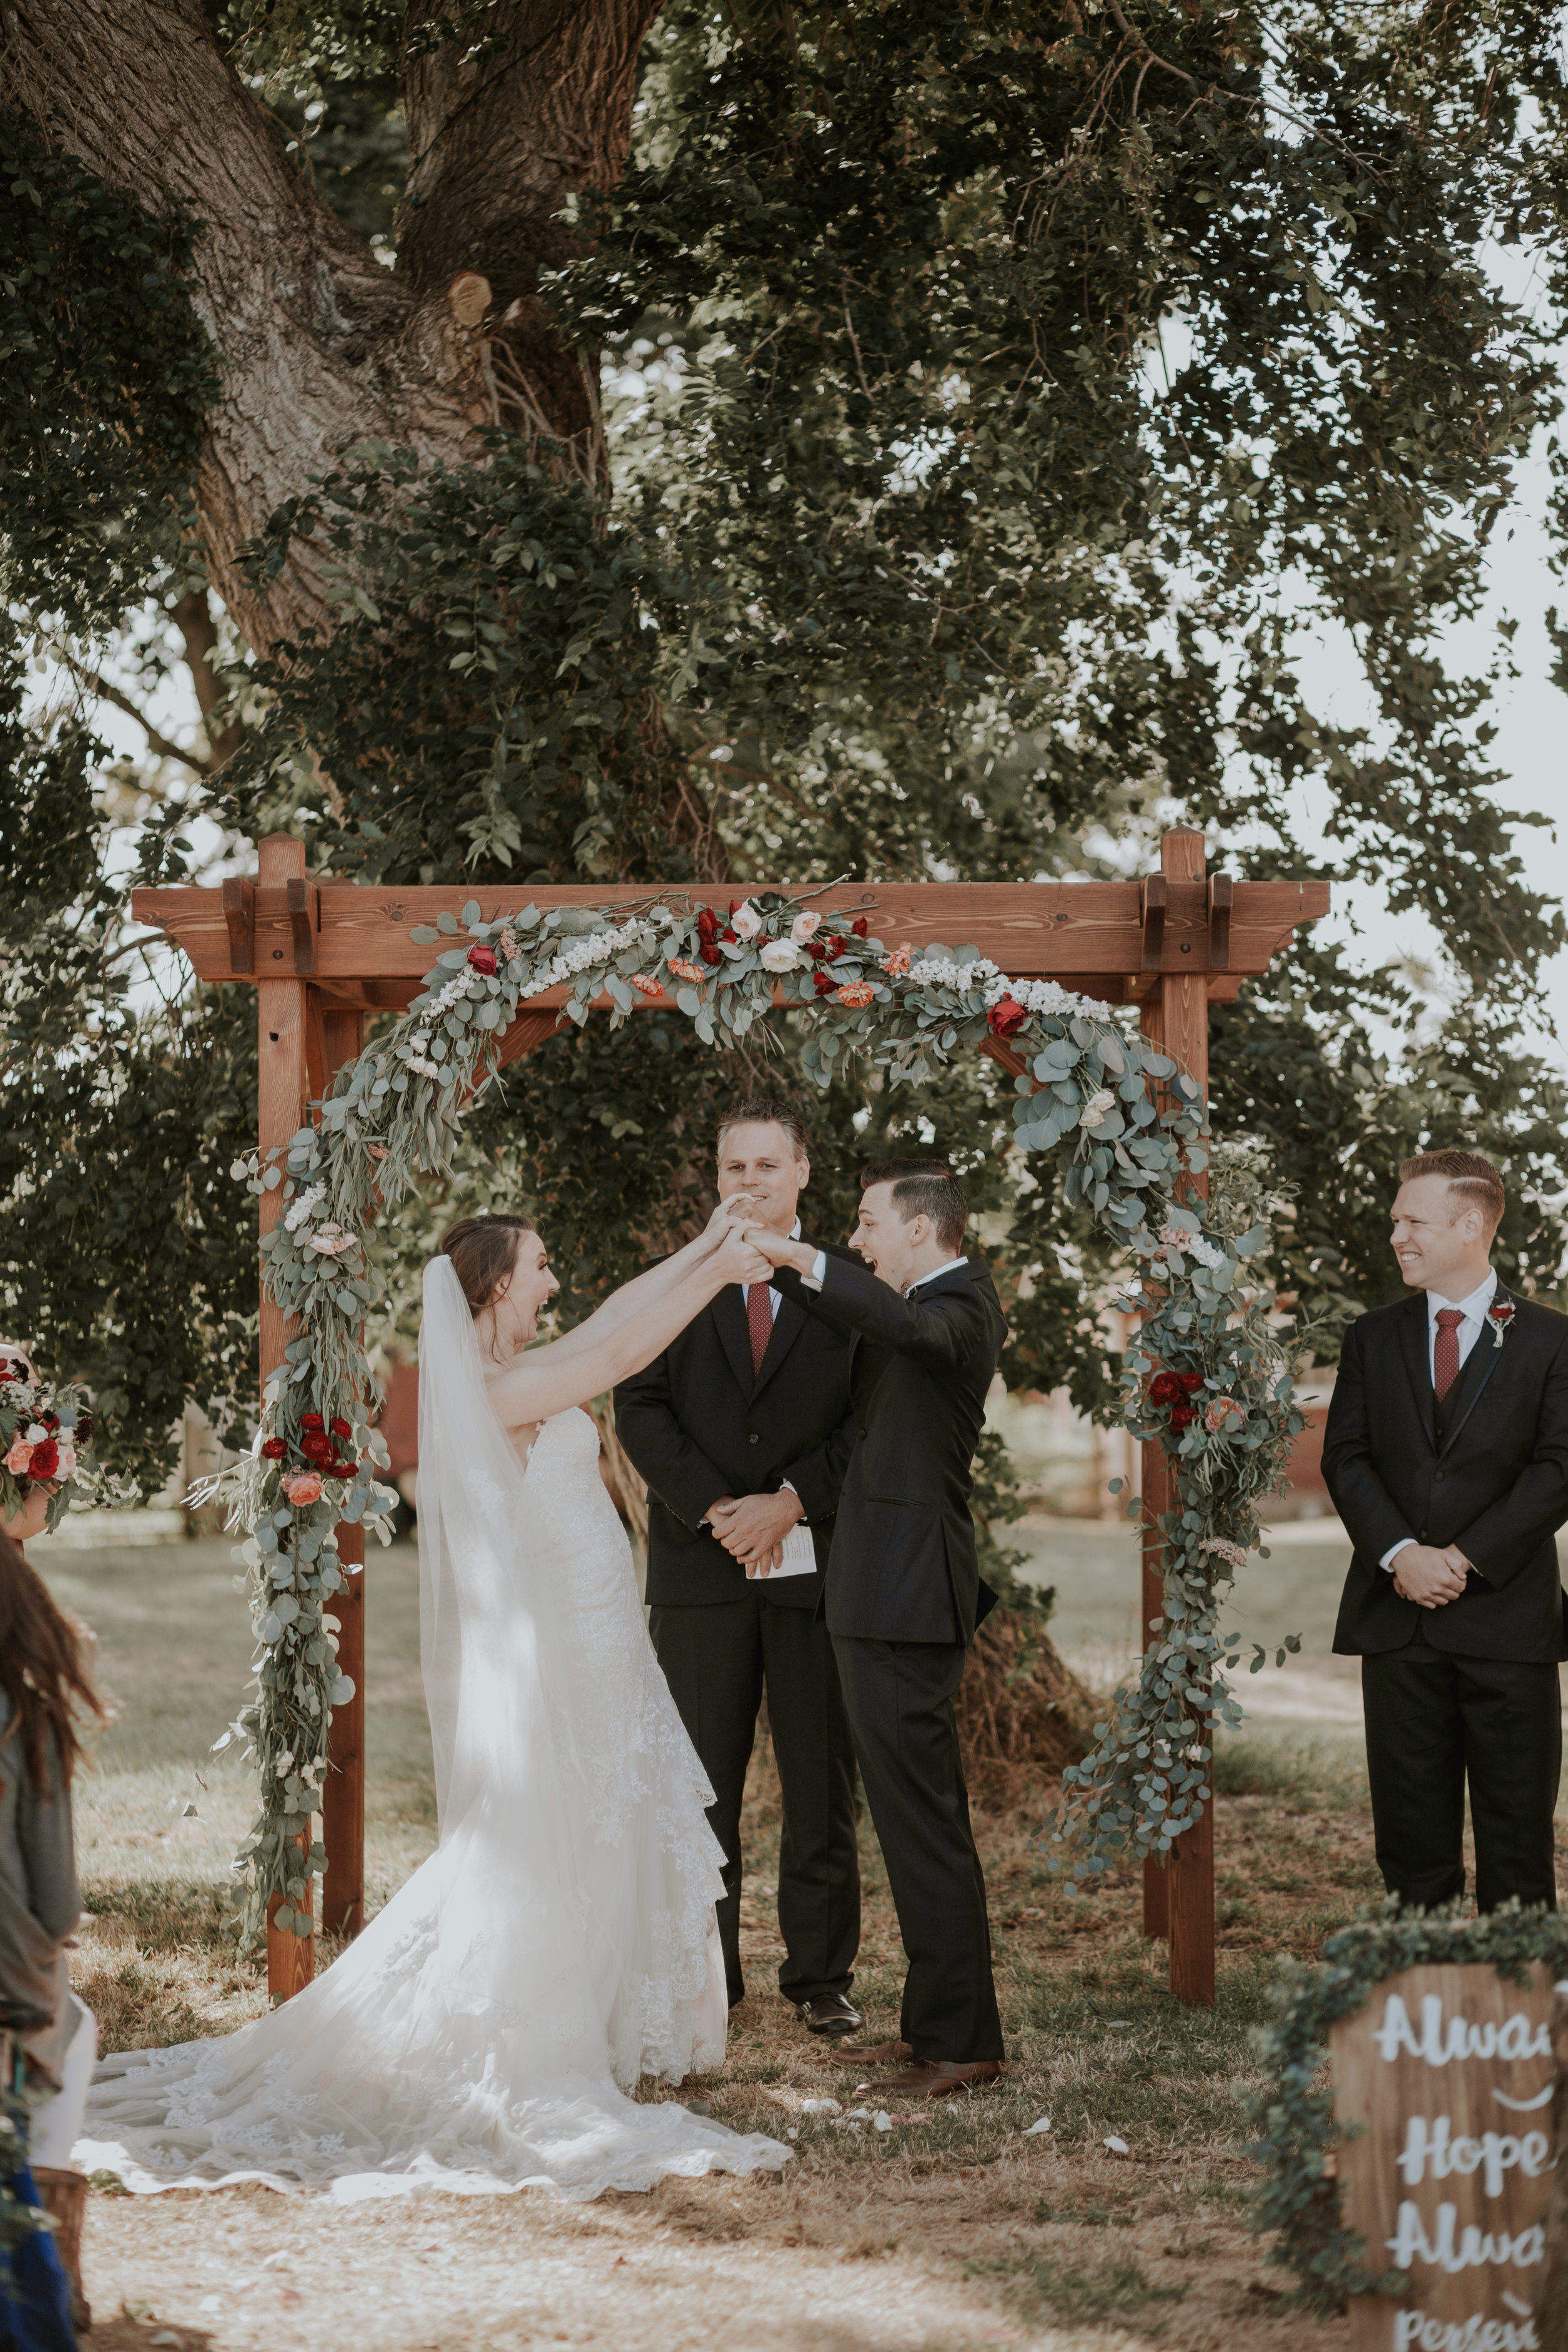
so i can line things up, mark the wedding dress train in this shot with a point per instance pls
(560, 1945)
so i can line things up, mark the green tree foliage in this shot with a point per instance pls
(993, 400)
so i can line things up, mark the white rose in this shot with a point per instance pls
(745, 922)
(36, 1432)
(804, 928)
(1096, 1108)
(66, 1460)
(779, 955)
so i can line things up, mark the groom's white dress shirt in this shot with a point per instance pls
(1474, 1310)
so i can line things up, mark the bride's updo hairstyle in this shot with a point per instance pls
(481, 1250)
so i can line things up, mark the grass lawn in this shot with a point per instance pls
(952, 2229)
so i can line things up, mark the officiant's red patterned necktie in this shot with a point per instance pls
(759, 1321)
(1446, 1353)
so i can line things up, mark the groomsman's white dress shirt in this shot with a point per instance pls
(1474, 1310)
(818, 1274)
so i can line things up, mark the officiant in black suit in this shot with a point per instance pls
(1447, 1456)
(904, 1592)
(742, 1429)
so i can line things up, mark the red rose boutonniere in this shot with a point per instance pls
(1500, 1315)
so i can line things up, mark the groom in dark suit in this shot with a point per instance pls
(904, 1593)
(1447, 1456)
(742, 1429)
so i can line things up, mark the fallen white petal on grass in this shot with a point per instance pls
(819, 2107)
(858, 2115)
(1032, 2131)
(882, 2119)
(210, 2302)
(1117, 2147)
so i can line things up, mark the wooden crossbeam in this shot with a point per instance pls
(1107, 939)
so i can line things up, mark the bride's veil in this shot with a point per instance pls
(452, 1401)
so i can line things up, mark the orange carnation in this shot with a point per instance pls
(644, 985)
(686, 970)
(857, 992)
(898, 963)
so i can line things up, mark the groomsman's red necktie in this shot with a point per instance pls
(759, 1321)
(1445, 1353)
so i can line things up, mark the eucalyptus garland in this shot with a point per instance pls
(1298, 2195)
(1208, 1378)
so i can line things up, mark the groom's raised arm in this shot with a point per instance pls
(937, 1332)
(675, 1466)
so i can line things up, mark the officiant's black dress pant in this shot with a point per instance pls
(1434, 1719)
(717, 1661)
(900, 1695)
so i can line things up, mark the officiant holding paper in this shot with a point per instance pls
(742, 1429)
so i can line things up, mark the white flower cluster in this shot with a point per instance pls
(1174, 1239)
(1231, 1553)
(304, 1207)
(596, 947)
(458, 986)
(1034, 995)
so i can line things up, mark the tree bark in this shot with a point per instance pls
(320, 345)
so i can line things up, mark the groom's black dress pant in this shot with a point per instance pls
(1434, 1718)
(717, 1661)
(900, 1695)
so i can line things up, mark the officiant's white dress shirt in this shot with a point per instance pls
(1474, 1310)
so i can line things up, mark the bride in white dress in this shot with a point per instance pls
(560, 1946)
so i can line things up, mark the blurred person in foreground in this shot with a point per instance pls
(45, 1687)
(1447, 1456)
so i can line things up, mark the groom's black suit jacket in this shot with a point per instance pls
(697, 1423)
(1487, 1469)
(904, 1565)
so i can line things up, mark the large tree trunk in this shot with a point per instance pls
(320, 345)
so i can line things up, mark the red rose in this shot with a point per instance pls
(710, 954)
(341, 1428)
(340, 1469)
(315, 1445)
(708, 924)
(50, 1420)
(728, 932)
(1180, 1415)
(861, 929)
(45, 1460)
(1165, 1388)
(312, 1420)
(824, 983)
(484, 959)
(1190, 1381)
(1005, 1020)
(816, 949)
(273, 1450)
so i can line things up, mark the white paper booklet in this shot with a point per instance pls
(799, 1556)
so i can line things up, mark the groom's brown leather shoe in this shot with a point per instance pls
(936, 2078)
(871, 2054)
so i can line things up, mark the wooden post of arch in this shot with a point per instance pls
(323, 954)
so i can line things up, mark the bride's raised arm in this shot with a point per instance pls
(646, 1289)
(610, 1346)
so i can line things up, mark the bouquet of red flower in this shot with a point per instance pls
(45, 1432)
(317, 1454)
(1173, 1393)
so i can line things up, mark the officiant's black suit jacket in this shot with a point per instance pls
(1486, 1470)
(698, 1423)
(904, 1565)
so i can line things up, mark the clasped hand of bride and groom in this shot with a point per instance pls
(805, 1417)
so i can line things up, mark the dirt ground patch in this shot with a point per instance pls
(953, 2227)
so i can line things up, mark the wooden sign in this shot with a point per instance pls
(1450, 2071)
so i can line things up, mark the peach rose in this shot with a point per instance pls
(304, 1486)
(804, 926)
(16, 1460)
(1223, 1413)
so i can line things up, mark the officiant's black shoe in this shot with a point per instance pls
(831, 2012)
(873, 2053)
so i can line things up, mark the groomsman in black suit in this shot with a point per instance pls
(904, 1592)
(742, 1429)
(1447, 1456)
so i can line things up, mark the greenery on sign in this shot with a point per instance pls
(1296, 2201)
(1085, 1095)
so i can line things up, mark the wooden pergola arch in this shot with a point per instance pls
(323, 955)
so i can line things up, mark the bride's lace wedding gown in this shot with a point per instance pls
(560, 1944)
